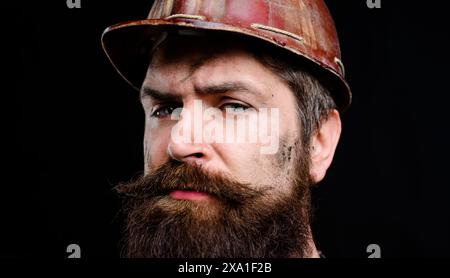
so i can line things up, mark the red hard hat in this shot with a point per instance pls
(303, 27)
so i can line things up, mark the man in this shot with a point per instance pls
(212, 76)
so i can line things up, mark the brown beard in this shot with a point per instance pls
(238, 222)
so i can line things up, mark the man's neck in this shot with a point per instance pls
(312, 252)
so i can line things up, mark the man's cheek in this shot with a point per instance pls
(155, 150)
(269, 131)
(246, 162)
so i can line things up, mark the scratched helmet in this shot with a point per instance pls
(303, 27)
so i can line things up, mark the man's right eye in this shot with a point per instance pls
(164, 111)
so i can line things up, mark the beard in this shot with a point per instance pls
(239, 221)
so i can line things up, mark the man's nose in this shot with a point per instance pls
(186, 142)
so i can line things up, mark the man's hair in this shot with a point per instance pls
(314, 100)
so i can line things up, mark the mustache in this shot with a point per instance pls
(175, 175)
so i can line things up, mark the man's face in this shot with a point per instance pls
(231, 79)
(208, 193)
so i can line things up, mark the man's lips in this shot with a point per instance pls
(189, 195)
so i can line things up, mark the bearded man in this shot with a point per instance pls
(223, 177)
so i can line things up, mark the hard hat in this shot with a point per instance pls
(303, 27)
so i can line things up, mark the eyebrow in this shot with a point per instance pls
(223, 88)
(147, 91)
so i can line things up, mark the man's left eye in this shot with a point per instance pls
(235, 107)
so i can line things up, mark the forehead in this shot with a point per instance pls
(187, 67)
(202, 59)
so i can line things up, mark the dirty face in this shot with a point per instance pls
(229, 80)
(197, 194)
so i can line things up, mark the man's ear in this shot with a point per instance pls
(323, 145)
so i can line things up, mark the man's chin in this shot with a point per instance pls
(165, 227)
(240, 221)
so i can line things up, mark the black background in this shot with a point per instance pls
(77, 131)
